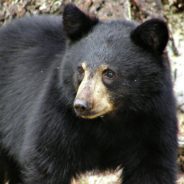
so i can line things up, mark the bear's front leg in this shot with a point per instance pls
(155, 173)
(39, 173)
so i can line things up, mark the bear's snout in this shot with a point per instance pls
(82, 107)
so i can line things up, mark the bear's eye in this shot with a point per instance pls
(80, 73)
(80, 70)
(108, 75)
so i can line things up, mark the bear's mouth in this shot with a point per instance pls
(94, 115)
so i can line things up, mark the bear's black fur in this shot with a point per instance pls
(43, 141)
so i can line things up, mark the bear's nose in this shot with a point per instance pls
(81, 107)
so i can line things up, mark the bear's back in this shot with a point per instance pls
(36, 32)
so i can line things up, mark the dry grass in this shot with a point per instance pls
(104, 178)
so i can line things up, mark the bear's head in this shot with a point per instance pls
(111, 66)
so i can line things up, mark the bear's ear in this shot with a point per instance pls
(76, 23)
(152, 35)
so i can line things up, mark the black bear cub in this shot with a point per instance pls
(78, 94)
